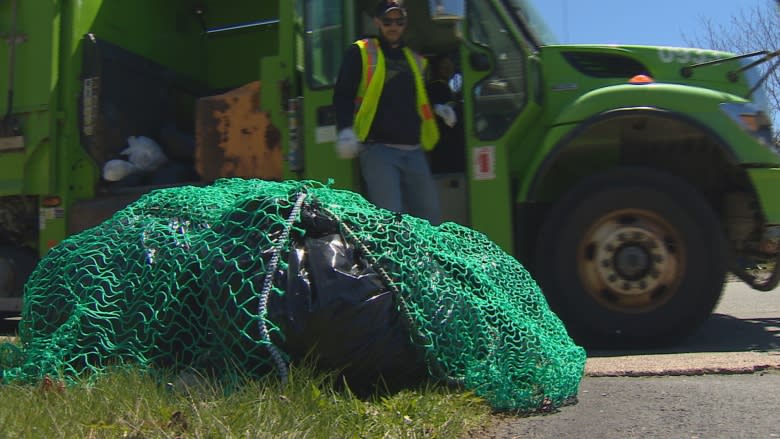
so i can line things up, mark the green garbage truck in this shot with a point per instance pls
(629, 180)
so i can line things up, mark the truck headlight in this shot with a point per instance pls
(751, 119)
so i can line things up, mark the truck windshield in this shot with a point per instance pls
(754, 77)
(528, 14)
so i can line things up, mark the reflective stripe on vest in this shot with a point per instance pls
(371, 86)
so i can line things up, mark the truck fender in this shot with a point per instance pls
(577, 119)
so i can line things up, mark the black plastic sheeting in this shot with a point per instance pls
(337, 311)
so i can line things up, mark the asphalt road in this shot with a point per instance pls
(723, 382)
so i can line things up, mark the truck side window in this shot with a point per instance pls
(324, 34)
(502, 95)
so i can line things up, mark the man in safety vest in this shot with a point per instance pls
(384, 116)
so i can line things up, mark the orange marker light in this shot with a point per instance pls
(641, 79)
(51, 202)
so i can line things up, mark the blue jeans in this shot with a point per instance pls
(400, 180)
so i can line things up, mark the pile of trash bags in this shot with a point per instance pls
(246, 277)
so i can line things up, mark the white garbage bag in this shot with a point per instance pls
(115, 170)
(144, 153)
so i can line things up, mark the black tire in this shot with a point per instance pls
(631, 258)
(16, 264)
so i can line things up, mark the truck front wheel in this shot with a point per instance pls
(631, 258)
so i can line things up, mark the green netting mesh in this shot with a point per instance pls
(184, 276)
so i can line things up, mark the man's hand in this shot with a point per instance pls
(347, 144)
(447, 114)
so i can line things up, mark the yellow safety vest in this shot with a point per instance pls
(372, 83)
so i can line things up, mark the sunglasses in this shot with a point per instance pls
(398, 21)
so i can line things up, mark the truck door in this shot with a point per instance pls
(29, 84)
(499, 104)
(325, 34)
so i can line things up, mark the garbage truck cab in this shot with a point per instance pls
(628, 179)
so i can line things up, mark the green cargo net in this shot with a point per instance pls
(249, 276)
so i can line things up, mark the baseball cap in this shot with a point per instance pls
(385, 6)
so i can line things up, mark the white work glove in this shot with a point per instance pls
(447, 114)
(347, 144)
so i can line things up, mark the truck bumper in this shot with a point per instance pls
(767, 183)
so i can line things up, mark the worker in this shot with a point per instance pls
(384, 117)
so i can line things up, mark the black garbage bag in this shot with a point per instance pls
(337, 311)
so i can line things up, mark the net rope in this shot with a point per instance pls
(268, 283)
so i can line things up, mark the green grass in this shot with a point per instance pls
(131, 404)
